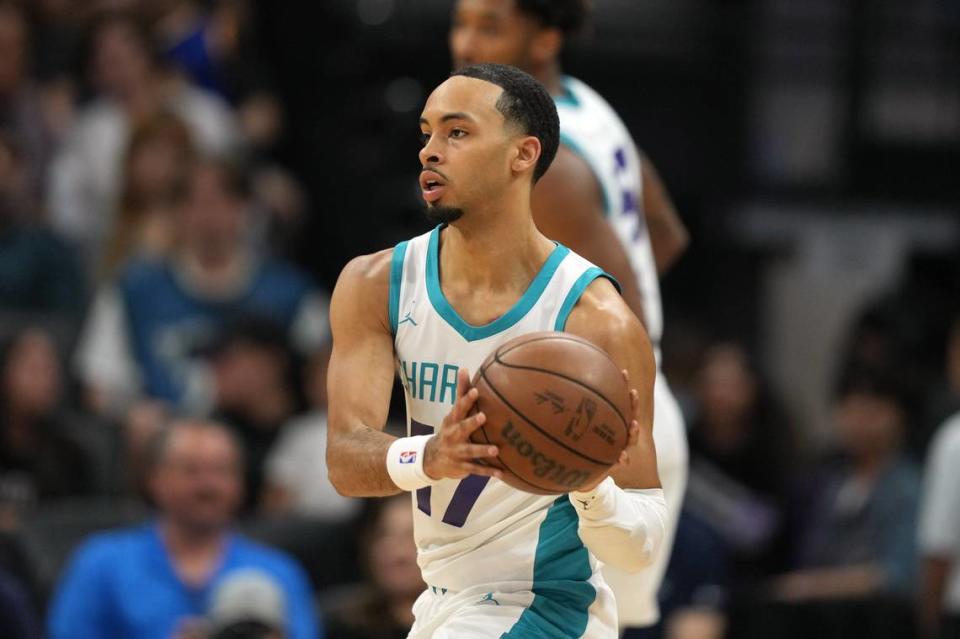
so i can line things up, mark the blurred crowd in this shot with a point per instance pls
(163, 386)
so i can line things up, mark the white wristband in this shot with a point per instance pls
(405, 463)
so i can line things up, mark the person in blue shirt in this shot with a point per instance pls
(158, 581)
(149, 333)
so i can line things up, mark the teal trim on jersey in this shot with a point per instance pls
(573, 296)
(473, 333)
(569, 142)
(568, 98)
(396, 276)
(562, 594)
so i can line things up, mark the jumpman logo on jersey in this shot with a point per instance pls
(407, 317)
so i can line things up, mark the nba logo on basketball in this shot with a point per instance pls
(408, 457)
(581, 421)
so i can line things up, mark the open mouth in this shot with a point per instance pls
(432, 185)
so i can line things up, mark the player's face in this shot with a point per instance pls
(466, 147)
(492, 31)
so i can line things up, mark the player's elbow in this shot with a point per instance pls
(632, 567)
(628, 549)
(344, 482)
(641, 557)
(630, 556)
(337, 471)
(338, 481)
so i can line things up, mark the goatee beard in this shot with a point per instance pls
(443, 214)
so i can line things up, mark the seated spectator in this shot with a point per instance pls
(38, 272)
(40, 459)
(160, 579)
(939, 535)
(156, 167)
(21, 104)
(740, 462)
(18, 618)
(203, 44)
(130, 87)
(257, 391)
(858, 515)
(249, 604)
(382, 608)
(147, 335)
(943, 396)
(296, 469)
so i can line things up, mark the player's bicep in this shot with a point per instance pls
(360, 377)
(603, 318)
(568, 206)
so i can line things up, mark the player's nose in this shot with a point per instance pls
(429, 154)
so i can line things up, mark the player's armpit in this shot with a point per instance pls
(602, 317)
(568, 208)
(360, 379)
(668, 235)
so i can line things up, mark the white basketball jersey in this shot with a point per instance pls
(592, 129)
(478, 532)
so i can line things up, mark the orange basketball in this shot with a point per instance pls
(558, 409)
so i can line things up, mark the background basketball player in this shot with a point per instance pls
(496, 560)
(603, 200)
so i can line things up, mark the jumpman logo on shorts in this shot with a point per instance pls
(488, 598)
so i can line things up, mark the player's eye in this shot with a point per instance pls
(424, 138)
(458, 133)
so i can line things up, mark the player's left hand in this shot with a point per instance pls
(632, 439)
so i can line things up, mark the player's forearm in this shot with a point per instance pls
(623, 528)
(668, 235)
(669, 241)
(356, 463)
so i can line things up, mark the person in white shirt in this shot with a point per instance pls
(86, 173)
(296, 469)
(939, 533)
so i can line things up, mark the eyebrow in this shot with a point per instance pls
(449, 116)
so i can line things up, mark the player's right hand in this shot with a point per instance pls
(450, 454)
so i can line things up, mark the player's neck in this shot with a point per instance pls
(551, 77)
(493, 253)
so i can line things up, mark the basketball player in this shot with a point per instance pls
(603, 200)
(497, 561)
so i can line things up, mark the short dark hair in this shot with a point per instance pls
(569, 16)
(524, 103)
(875, 381)
(156, 451)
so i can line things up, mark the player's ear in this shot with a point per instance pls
(546, 45)
(527, 154)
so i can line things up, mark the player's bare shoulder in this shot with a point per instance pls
(363, 290)
(602, 317)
